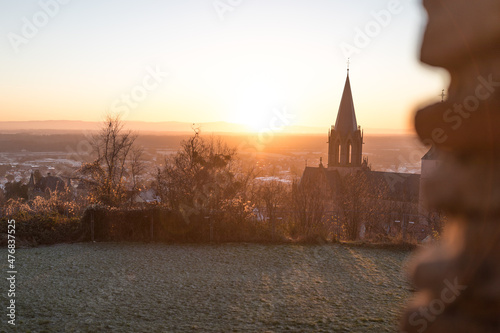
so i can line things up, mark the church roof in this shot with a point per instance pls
(346, 117)
(321, 174)
(395, 186)
(51, 182)
(399, 186)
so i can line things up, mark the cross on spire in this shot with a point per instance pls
(348, 63)
(443, 95)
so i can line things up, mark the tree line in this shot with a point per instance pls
(206, 182)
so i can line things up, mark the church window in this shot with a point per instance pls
(338, 153)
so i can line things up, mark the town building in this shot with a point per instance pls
(44, 186)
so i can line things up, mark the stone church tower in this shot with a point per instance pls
(345, 139)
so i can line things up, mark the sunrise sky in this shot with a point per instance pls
(227, 60)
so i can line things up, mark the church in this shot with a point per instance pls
(392, 199)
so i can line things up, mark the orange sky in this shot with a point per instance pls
(193, 62)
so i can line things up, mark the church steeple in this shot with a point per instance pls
(346, 117)
(345, 140)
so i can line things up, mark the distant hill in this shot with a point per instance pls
(61, 126)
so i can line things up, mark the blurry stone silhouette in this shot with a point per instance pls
(458, 281)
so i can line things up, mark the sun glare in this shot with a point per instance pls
(251, 114)
(254, 104)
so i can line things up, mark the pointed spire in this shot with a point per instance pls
(346, 117)
(31, 182)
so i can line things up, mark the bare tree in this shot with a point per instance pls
(106, 175)
(137, 167)
(309, 202)
(272, 197)
(360, 202)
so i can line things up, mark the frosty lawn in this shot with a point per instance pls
(189, 288)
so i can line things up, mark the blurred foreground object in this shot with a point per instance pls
(458, 281)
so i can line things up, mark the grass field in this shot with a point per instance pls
(189, 288)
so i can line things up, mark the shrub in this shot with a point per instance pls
(43, 228)
(44, 220)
